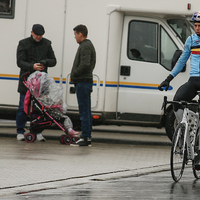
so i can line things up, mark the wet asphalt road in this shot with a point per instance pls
(157, 186)
(49, 170)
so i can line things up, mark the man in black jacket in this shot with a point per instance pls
(34, 53)
(82, 78)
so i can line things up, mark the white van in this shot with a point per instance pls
(135, 42)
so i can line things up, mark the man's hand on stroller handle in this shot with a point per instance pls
(38, 67)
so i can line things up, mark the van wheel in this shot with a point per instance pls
(170, 124)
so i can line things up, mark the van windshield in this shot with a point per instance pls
(182, 27)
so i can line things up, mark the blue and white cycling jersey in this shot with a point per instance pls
(192, 47)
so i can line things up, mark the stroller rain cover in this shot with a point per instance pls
(46, 91)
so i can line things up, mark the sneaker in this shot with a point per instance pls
(40, 137)
(20, 137)
(73, 133)
(82, 142)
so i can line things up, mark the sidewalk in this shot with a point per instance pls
(103, 134)
(116, 152)
(30, 167)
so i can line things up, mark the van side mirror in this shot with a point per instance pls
(175, 58)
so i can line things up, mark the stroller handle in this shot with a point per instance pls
(23, 78)
(24, 75)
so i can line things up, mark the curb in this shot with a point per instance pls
(104, 140)
(129, 132)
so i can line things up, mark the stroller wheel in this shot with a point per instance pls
(67, 139)
(74, 139)
(62, 139)
(30, 137)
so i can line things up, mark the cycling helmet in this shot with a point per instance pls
(196, 16)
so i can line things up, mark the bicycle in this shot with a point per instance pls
(186, 140)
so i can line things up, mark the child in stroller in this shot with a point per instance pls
(44, 103)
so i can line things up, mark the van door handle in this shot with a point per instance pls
(125, 71)
(72, 90)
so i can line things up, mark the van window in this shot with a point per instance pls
(142, 41)
(183, 28)
(7, 8)
(168, 49)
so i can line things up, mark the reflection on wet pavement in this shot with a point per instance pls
(147, 187)
(49, 170)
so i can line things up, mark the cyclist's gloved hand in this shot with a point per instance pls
(165, 83)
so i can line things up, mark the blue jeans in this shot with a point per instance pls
(21, 116)
(83, 93)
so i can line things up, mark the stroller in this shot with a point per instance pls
(44, 104)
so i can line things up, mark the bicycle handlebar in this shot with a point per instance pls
(184, 103)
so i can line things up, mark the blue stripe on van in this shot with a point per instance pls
(108, 84)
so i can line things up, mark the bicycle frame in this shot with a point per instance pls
(191, 121)
(186, 140)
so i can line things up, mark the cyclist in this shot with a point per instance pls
(187, 91)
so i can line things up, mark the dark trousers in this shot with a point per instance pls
(187, 91)
(83, 93)
(21, 116)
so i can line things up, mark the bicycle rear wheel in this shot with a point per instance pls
(178, 153)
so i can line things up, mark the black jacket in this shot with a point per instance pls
(30, 52)
(84, 63)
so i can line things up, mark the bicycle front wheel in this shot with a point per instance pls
(195, 162)
(196, 171)
(178, 153)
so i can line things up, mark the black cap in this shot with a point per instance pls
(38, 29)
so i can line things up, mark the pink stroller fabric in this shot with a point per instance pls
(46, 91)
(34, 83)
(27, 102)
